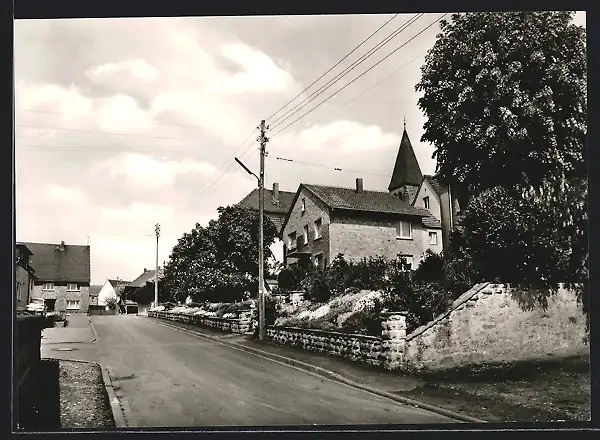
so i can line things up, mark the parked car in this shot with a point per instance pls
(36, 306)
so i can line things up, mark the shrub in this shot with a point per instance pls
(431, 268)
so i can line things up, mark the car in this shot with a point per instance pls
(36, 306)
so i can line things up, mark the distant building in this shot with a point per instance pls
(24, 276)
(63, 275)
(141, 291)
(109, 290)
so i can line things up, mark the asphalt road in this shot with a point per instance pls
(169, 378)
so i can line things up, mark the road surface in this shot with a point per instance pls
(170, 378)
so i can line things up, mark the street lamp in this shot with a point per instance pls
(261, 269)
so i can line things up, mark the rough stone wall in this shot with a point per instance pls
(487, 325)
(358, 348)
(241, 325)
(370, 237)
(62, 295)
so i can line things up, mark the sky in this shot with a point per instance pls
(121, 124)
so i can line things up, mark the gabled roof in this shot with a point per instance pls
(429, 221)
(24, 248)
(434, 182)
(71, 264)
(285, 201)
(145, 277)
(406, 169)
(115, 283)
(95, 290)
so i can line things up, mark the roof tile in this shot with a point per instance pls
(51, 264)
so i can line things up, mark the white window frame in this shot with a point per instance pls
(409, 259)
(303, 205)
(70, 289)
(399, 231)
(46, 288)
(74, 302)
(426, 202)
(292, 238)
(431, 235)
(305, 234)
(316, 258)
(319, 229)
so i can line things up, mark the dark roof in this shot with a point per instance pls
(144, 277)
(435, 184)
(95, 290)
(115, 283)
(368, 201)
(24, 248)
(406, 169)
(51, 264)
(285, 201)
(429, 221)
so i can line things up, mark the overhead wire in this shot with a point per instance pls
(298, 107)
(330, 167)
(359, 76)
(334, 66)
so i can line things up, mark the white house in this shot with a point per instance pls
(109, 290)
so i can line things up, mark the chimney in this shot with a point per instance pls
(276, 191)
(359, 185)
(145, 270)
(61, 246)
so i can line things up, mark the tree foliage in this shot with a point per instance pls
(219, 262)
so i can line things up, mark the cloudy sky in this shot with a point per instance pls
(125, 123)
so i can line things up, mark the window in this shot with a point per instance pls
(318, 225)
(426, 202)
(318, 260)
(19, 296)
(433, 238)
(73, 287)
(72, 305)
(303, 205)
(404, 230)
(48, 286)
(292, 240)
(305, 234)
(409, 259)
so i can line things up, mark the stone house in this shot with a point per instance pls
(63, 276)
(277, 205)
(423, 191)
(325, 221)
(24, 276)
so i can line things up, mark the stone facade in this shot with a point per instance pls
(487, 325)
(62, 296)
(393, 337)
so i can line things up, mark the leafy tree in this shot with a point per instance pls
(431, 268)
(219, 262)
(505, 100)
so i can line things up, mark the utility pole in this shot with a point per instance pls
(157, 231)
(261, 258)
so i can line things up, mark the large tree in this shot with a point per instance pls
(219, 262)
(505, 96)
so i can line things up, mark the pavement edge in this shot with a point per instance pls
(335, 377)
(115, 404)
(93, 329)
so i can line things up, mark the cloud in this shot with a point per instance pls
(52, 97)
(120, 113)
(124, 71)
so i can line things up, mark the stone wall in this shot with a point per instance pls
(487, 325)
(62, 295)
(358, 348)
(241, 325)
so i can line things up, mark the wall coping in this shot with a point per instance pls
(325, 333)
(213, 318)
(455, 305)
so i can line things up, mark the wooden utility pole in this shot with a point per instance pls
(261, 258)
(157, 231)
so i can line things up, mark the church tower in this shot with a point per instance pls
(407, 176)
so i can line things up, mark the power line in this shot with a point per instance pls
(333, 67)
(43, 148)
(331, 168)
(298, 107)
(246, 155)
(100, 132)
(359, 76)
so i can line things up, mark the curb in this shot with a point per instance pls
(93, 329)
(115, 405)
(334, 377)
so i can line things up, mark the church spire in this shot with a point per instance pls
(406, 170)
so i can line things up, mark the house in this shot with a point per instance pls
(325, 221)
(109, 290)
(141, 290)
(62, 275)
(423, 191)
(94, 294)
(277, 205)
(24, 276)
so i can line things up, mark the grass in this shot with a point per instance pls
(533, 391)
(64, 395)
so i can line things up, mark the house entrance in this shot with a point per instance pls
(50, 303)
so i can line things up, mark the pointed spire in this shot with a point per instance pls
(405, 123)
(406, 170)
